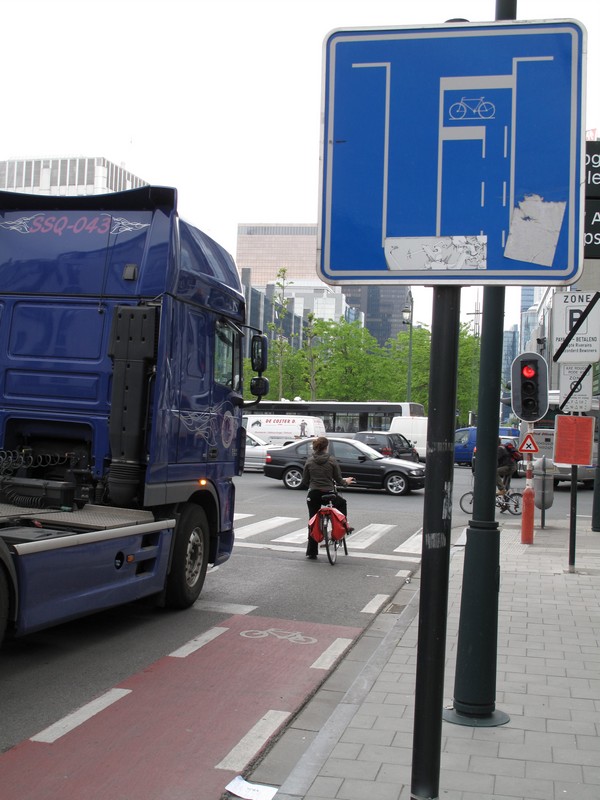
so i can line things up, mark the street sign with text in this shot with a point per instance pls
(574, 383)
(567, 308)
(453, 154)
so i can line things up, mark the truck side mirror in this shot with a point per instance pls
(259, 387)
(258, 353)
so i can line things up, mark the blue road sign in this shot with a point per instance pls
(453, 154)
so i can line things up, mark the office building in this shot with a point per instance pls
(267, 248)
(66, 176)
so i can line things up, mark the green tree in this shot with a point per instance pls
(280, 345)
(347, 358)
(467, 391)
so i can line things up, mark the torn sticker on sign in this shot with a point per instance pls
(534, 230)
(436, 252)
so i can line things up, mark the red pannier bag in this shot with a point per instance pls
(338, 524)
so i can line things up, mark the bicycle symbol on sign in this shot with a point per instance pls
(292, 636)
(472, 108)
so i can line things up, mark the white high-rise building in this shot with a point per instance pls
(70, 175)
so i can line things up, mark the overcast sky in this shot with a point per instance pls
(220, 98)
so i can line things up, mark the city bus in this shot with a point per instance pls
(342, 417)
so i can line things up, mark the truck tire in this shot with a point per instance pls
(190, 558)
(3, 603)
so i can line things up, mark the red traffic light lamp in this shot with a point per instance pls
(529, 387)
(528, 371)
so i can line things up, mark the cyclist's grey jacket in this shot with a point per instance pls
(321, 472)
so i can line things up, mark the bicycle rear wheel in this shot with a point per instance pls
(330, 543)
(515, 503)
(466, 502)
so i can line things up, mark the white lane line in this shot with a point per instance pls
(223, 608)
(360, 540)
(252, 742)
(237, 516)
(289, 549)
(195, 644)
(414, 544)
(403, 573)
(262, 526)
(295, 537)
(77, 718)
(375, 604)
(328, 658)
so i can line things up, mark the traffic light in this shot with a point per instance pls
(529, 386)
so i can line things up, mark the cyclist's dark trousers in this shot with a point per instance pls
(313, 500)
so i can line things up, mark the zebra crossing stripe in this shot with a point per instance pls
(366, 536)
(414, 544)
(295, 537)
(262, 526)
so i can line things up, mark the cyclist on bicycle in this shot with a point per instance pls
(505, 470)
(322, 474)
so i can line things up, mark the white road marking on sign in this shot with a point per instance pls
(414, 544)
(223, 608)
(197, 643)
(262, 526)
(77, 718)
(328, 658)
(253, 741)
(375, 604)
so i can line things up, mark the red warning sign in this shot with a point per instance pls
(573, 440)
(528, 445)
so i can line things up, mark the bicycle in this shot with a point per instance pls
(472, 108)
(326, 528)
(510, 501)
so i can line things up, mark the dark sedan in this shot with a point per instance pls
(370, 469)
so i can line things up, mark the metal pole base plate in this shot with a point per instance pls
(484, 721)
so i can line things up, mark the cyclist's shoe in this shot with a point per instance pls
(312, 557)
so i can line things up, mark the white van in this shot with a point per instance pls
(280, 429)
(415, 430)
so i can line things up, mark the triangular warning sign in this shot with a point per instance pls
(528, 445)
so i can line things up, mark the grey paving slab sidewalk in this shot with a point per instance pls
(353, 740)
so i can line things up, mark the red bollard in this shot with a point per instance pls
(527, 516)
(528, 505)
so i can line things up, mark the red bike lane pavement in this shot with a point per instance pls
(185, 726)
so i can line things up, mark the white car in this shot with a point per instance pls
(256, 453)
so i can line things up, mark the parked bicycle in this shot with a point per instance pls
(509, 501)
(326, 527)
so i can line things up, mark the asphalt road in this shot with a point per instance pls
(270, 616)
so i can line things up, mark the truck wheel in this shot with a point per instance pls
(3, 603)
(190, 559)
(292, 478)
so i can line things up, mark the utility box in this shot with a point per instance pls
(543, 482)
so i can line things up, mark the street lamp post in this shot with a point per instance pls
(407, 319)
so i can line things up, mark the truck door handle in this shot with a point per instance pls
(213, 452)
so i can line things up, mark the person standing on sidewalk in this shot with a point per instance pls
(322, 475)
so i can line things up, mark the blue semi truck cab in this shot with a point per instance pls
(121, 331)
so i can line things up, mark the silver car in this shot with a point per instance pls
(256, 452)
